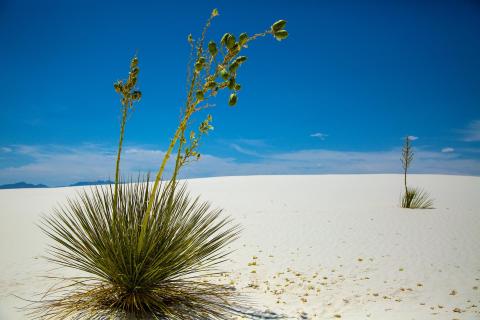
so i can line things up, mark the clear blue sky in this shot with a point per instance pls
(335, 97)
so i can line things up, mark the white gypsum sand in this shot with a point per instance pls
(312, 247)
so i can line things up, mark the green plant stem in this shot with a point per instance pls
(159, 176)
(117, 166)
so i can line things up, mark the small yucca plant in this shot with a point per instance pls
(413, 198)
(416, 198)
(146, 252)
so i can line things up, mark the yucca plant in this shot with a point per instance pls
(165, 279)
(413, 198)
(150, 251)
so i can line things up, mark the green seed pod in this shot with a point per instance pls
(237, 86)
(242, 39)
(212, 48)
(230, 41)
(279, 25)
(240, 59)
(215, 12)
(210, 85)
(233, 100)
(199, 95)
(281, 35)
(224, 74)
(233, 67)
(223, 41)
(198, 66)
(231, 83)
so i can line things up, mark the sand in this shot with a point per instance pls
(312, 247)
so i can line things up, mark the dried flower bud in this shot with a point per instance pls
(237, 86)
(136, 95)
(134, 63)
(118, 86)
(214, 12)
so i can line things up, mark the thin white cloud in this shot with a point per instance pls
(319, 135)
(243, 150)
(57, 165)
(412, 138)
(472, 132)
(5, 149)
(448, 150)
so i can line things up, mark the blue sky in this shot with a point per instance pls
(337, 96)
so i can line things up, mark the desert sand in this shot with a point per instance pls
(312, 247)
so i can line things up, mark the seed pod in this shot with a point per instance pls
(224, 74)
(210, 85)
(231, 83)
(240, 60)
(237, 86)
(215, 12)
(279, 25)
(212, 48)
(190, 38)
(242, 39)
(198, 66)
(223, 41)
(233, 100)
(233, 67)
(230, 41)
(199, 95)
(281, 35)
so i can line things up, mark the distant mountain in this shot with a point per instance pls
(22, 185)
(91, 183)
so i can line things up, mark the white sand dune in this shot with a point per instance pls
(324, 247)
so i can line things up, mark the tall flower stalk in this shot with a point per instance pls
(214, 69)
(129, 95)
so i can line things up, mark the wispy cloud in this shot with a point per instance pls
(412, 138)
(57, 165)
(472, 132)
(5, 149)
(447, 150)
(319, 135)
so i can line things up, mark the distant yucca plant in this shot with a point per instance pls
(146, 252)
(416, 198)
(413, 198)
